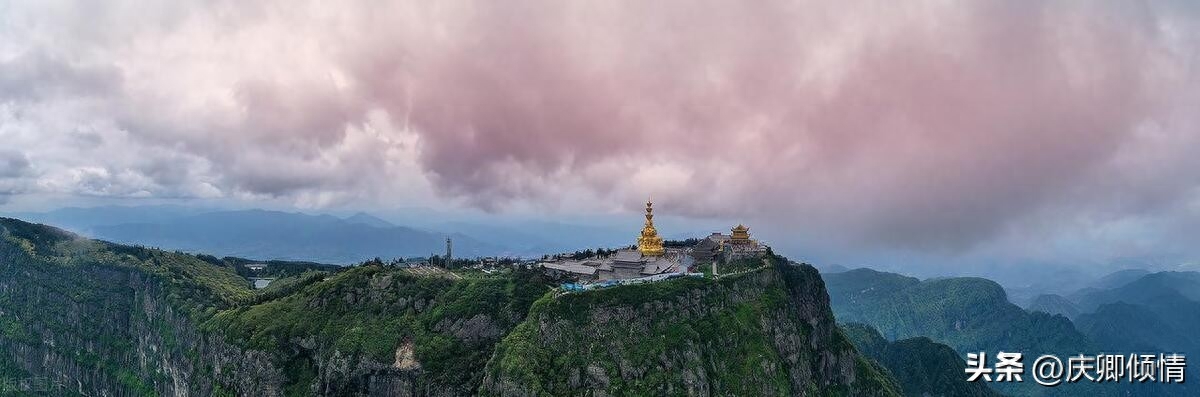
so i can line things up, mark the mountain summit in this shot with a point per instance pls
(111, 319)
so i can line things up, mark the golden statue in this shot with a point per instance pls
(649, 244)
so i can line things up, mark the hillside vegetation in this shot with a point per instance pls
(969, 314)
(106, 316)
(348, 331)
(764, 332)
(921, 366)
(1157, 312)
(106, 319)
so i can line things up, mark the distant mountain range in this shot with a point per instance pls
(1054, 304)
(1157, 312)
(1131, 311)
(266, 235)
(1134, 309)
(967, 313)
(1117, 279)
(534, 238)
(260, 234)
(279, 235)
(363, 218)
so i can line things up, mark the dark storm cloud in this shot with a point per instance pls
(14, 168)
(13, 164)
(38, 75)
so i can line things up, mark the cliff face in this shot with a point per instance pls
(90, 318)
(766, 332)
(81, 319)
(372, 330)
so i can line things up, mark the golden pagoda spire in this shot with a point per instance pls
(649, 244)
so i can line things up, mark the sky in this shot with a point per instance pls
(951, 134)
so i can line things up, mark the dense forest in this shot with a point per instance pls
(922, 366)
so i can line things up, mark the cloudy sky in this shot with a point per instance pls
(1041, 131)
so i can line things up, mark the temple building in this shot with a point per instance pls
(649, 258)
(734, 246)
(740, 234)
(709, 249)
(740, 245)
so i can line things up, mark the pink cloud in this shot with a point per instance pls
(925, 125)
(916, 124)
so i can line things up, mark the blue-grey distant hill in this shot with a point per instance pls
(84, 219)
(1054, 304)
(1118, 278)
(1139, 312)
(364, 218)
(1157, 312)
(262, 234)
(280, 235)
(534, 238)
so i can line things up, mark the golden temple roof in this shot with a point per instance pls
(740, 233)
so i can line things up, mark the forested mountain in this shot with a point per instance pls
(923, 367)
(1152, 288)
(968, 314)
(974, 315)
(766, 332)
(1147, 313)
(1156, 312)
(107, 319)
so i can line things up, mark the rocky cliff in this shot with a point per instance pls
(83, 317)
(765, 332)
(373, 330)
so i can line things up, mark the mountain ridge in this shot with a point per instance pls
(112, 319)
(271, 235)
